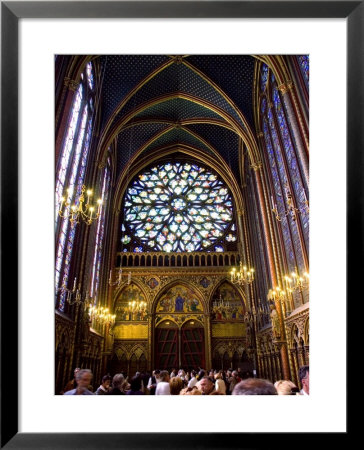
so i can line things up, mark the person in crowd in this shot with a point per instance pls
(207, 385)
(187, 377)
(190, 391)
(285, 387)
(83, 380)
(163, 387)
(118, 385)
(304, 375)
(220, 385)
(104, 386)
(234, 380)
(72, 383)
(254, 386)
(182, 375)
(173, 373)
(152, 383)
(193, 379)
(135, 386)
(199, 377)
(176, 384)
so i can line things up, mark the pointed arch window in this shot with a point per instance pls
(285, 175)
(70, 175)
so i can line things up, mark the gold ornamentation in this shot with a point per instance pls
(131, 331)
(228, 329)
(71, 84)
(256, 166)
(283, 88)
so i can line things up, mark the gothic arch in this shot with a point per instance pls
(236, 288)
(179, 282)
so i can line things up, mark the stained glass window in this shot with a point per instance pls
(70, 174)
(179, 207)
(95, 278)
(304, 63)
(263, 77)
(285, 173)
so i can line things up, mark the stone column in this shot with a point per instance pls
(257, 170)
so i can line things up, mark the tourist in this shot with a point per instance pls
(285, 387)
(135, 386)
(104, 386)
(207, 386)
(254, 386)
(234, 380)
(220, 385)
(152, 382)
(163, 387)
(176, 384)
(72, 383)
(83, 380)
(118, 385)
(304, 375)
(193, 379)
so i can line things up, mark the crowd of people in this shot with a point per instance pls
(202, 382)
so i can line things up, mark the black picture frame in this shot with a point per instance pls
(11, 12)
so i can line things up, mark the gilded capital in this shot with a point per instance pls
(256, 166)
(71, 84)
(283, 88)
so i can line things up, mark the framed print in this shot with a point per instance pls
(158, 318)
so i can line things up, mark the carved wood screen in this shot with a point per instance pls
(193, 346)
(166, 346)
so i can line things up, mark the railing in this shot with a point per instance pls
(182, 259)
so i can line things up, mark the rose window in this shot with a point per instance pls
(178, 207)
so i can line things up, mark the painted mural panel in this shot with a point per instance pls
(131, 305)
(227, 304)
(179, 299)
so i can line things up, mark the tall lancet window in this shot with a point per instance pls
(285, 175)
(71, 171)
(99, 239)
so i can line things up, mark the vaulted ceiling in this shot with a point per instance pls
(151, 102)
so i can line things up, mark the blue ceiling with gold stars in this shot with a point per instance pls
(155, 92)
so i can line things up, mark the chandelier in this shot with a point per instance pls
(276, 294)
(100, 315)
(296, 282)
(243, 275)
(137, 310)
(78, 211)
(291, 209)
(73, 296)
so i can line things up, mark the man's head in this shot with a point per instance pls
(236, 375)
(206, 385)
(83, 378)
(76, 371)
(106, 380)
(164, 376)
(118, 381)
(254, 386)
(304, 374)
